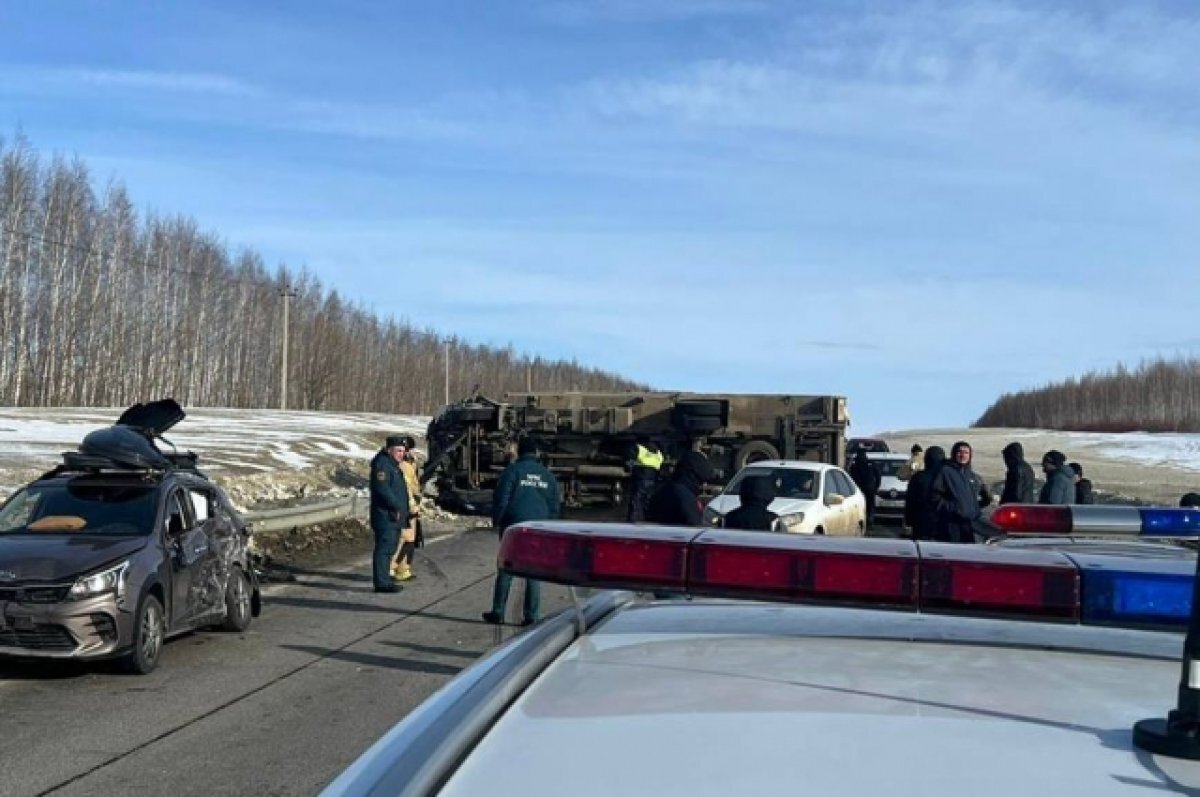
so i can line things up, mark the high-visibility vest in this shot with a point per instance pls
(649, 459)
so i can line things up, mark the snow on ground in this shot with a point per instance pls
(229, 442)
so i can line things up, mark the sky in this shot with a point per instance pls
(918, 205)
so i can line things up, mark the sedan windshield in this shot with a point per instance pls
(789, 482)
(80, 508)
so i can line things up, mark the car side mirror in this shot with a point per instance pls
(835, 499)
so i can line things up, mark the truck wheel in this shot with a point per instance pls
(237, 601)
(148, 634)
(754, 451)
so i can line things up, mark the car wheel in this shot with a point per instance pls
(819, 530)
(149, 633)
(237, 601)
(754, 451)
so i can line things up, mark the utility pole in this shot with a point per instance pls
(288, 293)
(447, 402)
(528, 376)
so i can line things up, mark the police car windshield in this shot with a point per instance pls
(789, 482)
(80, 508)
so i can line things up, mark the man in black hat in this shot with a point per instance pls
(389, 510)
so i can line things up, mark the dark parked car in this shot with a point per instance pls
(119, 548)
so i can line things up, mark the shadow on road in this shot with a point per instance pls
(362, 578)
(372, 660)
(432, 650)
(340, 606)
(47, 670)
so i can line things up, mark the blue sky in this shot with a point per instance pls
(918, 205)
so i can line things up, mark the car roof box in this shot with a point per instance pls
(153, 418)
(123, 447)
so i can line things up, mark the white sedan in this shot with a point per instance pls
(810, 498)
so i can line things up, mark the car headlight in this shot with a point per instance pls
(711, 517)
(110, 580)
(792, 521)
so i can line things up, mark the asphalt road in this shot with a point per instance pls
(278, 710)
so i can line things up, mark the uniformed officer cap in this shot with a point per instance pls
(394, 440)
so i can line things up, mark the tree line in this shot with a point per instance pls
(101, 306)
(1157, 396)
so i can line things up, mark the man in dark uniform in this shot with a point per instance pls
(645, 461)
(527, 490)
(389, 510)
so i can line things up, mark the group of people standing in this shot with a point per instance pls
(945, 498)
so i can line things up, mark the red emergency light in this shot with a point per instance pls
(1027, 519)
(741, 564)
(899, 574)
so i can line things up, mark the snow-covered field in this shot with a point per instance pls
(230, 442)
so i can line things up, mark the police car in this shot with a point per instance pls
(792, 664)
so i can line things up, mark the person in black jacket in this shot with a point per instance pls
(919, 513)
(756, 493)
(866, 475)
(527, 490)
(1084, 494)
(1018, 476)
(677, 502)
(958, 496)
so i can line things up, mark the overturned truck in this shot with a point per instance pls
(586, 438)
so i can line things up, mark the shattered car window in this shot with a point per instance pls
(80, 508)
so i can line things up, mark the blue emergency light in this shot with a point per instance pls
(1132, 598)
(1170, 522)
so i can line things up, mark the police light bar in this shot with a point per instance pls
(899, 574)
(1128, 521)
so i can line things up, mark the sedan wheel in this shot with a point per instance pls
(237, 601)
(148, 636)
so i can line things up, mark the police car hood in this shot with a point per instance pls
(682, 708)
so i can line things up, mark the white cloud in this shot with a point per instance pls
(189, 82)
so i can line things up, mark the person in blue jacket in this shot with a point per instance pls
(389, 510)
(527, 490)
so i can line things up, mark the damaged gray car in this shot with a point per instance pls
(120, 547)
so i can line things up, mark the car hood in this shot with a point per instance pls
(863, 716)
(55, 558)
(724, 504)
(892, 483)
